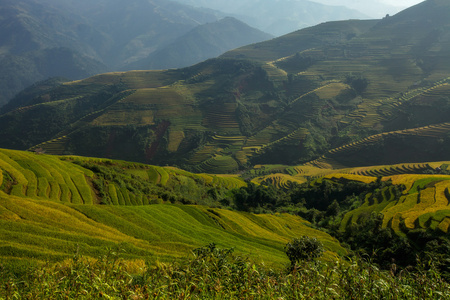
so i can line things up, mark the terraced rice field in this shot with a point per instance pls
(371, 114)
(46, 178)
(274, 73)
(48, 212)
(424, 204)
(175, 139)
(44, 230)
(389, 170)
(351, 177)
(280, 181)
(332, 158)
(222, 116)
(219, 164)
(202, 154)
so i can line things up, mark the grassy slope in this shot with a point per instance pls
(48, 209)
(44, 230)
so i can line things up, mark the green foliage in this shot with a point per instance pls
(303, 249)
(358, 82)
(213, 273)
(253, 196)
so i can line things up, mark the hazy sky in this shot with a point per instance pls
(373, 8)
(401, 2)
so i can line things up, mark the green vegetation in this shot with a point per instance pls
(143, 210)
(393, 218)
(303, 249)
(214, 273)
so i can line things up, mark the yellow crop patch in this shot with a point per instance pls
(175, 139)
(360, 178)
(445, 225)
(332, 90)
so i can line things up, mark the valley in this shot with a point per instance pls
(201, 181)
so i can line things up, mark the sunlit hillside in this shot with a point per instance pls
(52, 207)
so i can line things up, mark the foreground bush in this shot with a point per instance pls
(215, 273)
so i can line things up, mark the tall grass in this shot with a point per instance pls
(213, 273)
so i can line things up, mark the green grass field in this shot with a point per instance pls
(44, 230)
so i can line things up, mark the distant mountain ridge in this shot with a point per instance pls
(202, 42)
(97, 36)
(279, 17)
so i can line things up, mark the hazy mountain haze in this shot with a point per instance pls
(279, 17)
(373, 8)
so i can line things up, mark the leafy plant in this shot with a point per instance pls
(303, 249)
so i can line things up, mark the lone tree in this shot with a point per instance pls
(303, 249)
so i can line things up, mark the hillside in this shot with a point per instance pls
(37, 43)
(422, 203)
(49, 208)
(339, 89)
(201, 43)
(78, 39)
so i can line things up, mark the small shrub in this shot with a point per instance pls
(303, 249)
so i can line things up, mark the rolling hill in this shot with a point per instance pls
(52, 206)
(376, 91)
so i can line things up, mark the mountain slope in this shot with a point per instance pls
(288, 100)
(279, 16)
(203, 42)
(37, 43)
(91, 37)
